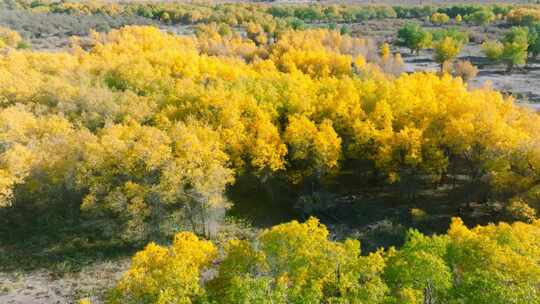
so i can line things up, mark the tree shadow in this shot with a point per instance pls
(60, 249)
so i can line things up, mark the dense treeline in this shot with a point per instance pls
(518, 46)
(297, 263)
(238, 14)
(145, 131)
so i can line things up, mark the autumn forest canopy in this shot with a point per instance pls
(144, 138)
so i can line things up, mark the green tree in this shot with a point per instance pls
(297, 263)
(514, 54)
(481, 17)
(453, 32)
(413, 37)
(418, 272)
(534, 40)
(516, 44)
(513, 49)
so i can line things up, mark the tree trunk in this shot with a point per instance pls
(428, 294)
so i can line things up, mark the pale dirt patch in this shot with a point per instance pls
(45, 287)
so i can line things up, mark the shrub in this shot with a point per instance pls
(446, 67)
(439, 18)
(345, 30)
(390, 64)
(465, 69)
(481, 17)
(521, 211)
(418, 215)
(514, 54)
(493, 50)
(9, 38)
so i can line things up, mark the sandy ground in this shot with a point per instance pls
(45, 287)
(523, 84)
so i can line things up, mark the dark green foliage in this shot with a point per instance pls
(413, 37)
